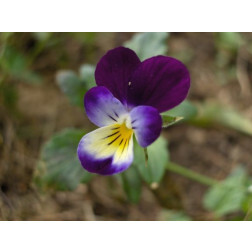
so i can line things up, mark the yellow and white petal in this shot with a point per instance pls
(107, 150)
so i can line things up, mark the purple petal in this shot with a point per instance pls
(115, 69)
(102, 107)
(161, 82)
(146, 123)
(97, 155)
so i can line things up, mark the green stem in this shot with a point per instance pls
(190, 174)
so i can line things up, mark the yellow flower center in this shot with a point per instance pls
(119, 137)
(113, 140)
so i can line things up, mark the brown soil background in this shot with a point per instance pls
(43, 110)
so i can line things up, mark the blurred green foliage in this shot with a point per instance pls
(59, 167)
(228, 46)
(229, 40)
(211, 113)
(14, 64)
(75, 86)
(228, 195)
(148, 44)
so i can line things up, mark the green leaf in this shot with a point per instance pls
(227, 196)
(132, 183)
(170, 120)
(185, 109)
(87, 75)
(157, 159)
(72, 86)
(148, 44)
(59, 167)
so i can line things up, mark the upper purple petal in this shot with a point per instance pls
(102, 107)
(161, 82)
(146, 123)
(115, 69)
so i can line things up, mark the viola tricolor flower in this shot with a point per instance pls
(128, 100)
